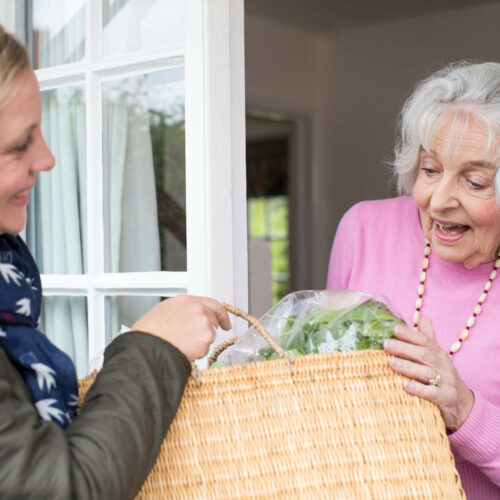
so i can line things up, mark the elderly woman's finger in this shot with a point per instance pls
(416, 371)
(410, 335)
(426, 328)
(407, 350)
(430, 392)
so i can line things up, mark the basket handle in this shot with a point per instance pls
(257, 324)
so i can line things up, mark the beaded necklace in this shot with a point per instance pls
(477, 309)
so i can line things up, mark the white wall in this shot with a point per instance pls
(351, 85)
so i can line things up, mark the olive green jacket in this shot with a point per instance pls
(108, 450)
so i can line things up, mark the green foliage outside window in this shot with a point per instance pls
(268, 219)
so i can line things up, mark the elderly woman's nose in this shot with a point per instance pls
(444, 196)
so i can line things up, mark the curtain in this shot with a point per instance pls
(130, 185)
(57, 223)
(60, 225)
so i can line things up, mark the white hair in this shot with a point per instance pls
(461, 91)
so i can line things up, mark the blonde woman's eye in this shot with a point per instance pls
(25, 145)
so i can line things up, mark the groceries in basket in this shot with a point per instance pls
(310, 321)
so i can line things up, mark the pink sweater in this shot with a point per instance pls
(378, 248)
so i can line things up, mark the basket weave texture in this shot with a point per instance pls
(336, 426)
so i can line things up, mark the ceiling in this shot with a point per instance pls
(325, 16)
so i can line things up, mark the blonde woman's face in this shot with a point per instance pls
(23, 152)
(455, 194)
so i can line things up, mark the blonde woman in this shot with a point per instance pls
(46, 450)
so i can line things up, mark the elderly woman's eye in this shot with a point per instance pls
(428, 171)
(476, 185)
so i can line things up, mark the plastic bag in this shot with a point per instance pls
(312, 321)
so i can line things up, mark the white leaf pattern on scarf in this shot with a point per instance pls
(44, 376)
(10, 272)
(47, 411)
(73, 400)
(2, 333)
(24, 307)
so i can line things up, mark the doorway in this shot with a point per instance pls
(268, 139)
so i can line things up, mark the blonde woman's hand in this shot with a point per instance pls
(187, 322)
(417, 355)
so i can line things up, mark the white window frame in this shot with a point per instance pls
(213, 58)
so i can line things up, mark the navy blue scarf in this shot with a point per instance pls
(48, 372)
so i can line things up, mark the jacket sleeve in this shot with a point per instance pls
(108, 450)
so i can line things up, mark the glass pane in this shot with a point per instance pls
(257, 220)
(125, 310)
(279, 255)
(56, 230)
(64, 321)
(141, 24)
(278, 214)
(144, 172)
(58, 32)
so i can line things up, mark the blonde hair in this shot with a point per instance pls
(13, 60)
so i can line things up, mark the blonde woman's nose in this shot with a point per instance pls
(43, 159)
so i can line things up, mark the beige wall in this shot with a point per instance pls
(351, 85)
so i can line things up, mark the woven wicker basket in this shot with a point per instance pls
(336, 426)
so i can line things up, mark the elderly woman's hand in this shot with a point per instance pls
(417, 356)
(187, 322)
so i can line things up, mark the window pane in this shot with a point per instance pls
(257, 218)
(58, 32)
(56, 231)
(64, 321)
(141, 24)
(144, 172)
(278, 214)
(125, 310)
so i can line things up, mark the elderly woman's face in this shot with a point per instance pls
(23, 152)
(455, 195)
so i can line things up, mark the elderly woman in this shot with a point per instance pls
(434, 252)
(46, 451)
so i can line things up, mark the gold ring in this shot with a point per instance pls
(436, 380)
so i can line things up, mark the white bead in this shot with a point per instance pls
(421, 289)
(487, 286)
(455, 346)
(425, 263)
(493, 274)
(422, 276)
(497, 263)
(464, 334)
(416, 317)
(477, 309)
(471, 321)
(418, 303)
(427, 251)
(482, 297)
